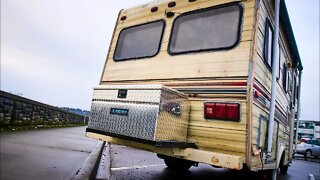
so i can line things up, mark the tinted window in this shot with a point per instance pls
(294, 90)
(268, 44)
(268, 49)
(206, 29)
(285, 77)
(139, 41)
(313, 142)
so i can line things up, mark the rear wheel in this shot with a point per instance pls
(178, 164)
(284, 168)
(308, 154)
(271, 174)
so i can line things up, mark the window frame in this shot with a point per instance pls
(294, 90)
(241, 13)
(142, 57)
(285, 79)
(265, 44)
(266, 48)
(279, 63)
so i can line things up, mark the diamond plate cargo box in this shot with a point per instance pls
(150, 113)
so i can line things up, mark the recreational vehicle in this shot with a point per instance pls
(202, 81)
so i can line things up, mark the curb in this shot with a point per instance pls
(315, 160)
(89, 167)
(103, 172)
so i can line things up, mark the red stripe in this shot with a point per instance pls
(211, 84)
(261, 91)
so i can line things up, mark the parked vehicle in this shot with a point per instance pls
(198, 81)
(309, 147)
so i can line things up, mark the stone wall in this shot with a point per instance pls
(19, 111)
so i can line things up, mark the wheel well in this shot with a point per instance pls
(282, 158)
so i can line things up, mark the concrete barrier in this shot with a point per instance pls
(19, 111)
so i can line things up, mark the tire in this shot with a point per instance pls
(271, 174)
(284, 168)
(308, 154)
(178, 164)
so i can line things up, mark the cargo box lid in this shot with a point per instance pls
(149, 93)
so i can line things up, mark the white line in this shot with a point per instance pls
(136, 167)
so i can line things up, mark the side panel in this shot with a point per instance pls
(262, 84)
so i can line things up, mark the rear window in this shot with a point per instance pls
(206, 29)
(313, 142)
(139, 41)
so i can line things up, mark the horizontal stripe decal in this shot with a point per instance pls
(210, 84)
(211, 91)
(264, 93)
(264, 100)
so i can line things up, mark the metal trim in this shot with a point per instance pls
(261, 118)
(161, 144)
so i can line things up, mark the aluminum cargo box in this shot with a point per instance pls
(147, 113)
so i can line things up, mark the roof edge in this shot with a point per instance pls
(285, 20)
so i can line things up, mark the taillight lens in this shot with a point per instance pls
(224, 111)
(304, 141)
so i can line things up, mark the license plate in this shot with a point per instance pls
(118, 111)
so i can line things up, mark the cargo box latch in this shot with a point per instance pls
(122, 93)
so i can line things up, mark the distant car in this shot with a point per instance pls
(309, 147)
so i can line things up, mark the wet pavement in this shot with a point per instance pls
(44, 154)
(59, 154)
(129, 163)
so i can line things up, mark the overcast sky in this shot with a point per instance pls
(54, 51)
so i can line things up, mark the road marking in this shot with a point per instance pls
(136, 167)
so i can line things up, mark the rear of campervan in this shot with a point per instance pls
(208, 55)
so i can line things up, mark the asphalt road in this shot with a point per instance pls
(44, 154)
(128, 163)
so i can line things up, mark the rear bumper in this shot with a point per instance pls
(216, 159)
(160, 144)
(192, 154)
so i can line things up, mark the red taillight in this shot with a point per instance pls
(209, 110)
(224, 111)
(304, 140)
(220, 110)
(233, 112)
